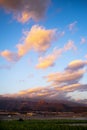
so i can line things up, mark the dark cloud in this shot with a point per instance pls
(23, 10)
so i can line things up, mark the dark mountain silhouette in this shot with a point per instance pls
(17, 104)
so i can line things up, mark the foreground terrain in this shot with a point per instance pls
(43, 124)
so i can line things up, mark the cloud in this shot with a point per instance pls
(80, 97)
(68, 81)
(76, 64)
(60, 87)
(65, 77)
(38, 38)
(49, 60)
(24, 10)
(10, 56)
(38, 92)
(70, 45)
(83, 40)
(71, 26)
(73, 87)
(52, 93)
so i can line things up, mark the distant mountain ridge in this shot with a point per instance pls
(17, 104)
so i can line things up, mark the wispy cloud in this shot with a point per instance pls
(65, 77)
(81, 97)
(83, 40)
(61, 84)
(49, 60)
(24, 10)
(72, 26)
(70, 45)
(69, 80)
(55, 93)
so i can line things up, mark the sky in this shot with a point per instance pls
(43, 49)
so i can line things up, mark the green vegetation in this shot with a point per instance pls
(43, 125)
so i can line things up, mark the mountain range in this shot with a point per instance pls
(27, 105)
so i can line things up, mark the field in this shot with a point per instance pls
(43, 125)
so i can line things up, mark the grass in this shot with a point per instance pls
(43, 125)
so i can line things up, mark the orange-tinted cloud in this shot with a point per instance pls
(61, 84)
(69, 80)
(53, 93)
(49, 60)
(38, 39)
(65, 77)
(76, 64)
(10, 56)
(24, 10)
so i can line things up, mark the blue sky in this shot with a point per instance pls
(43, 49)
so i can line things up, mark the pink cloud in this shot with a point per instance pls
(83, 40)
(10, 56)
(72, 26)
